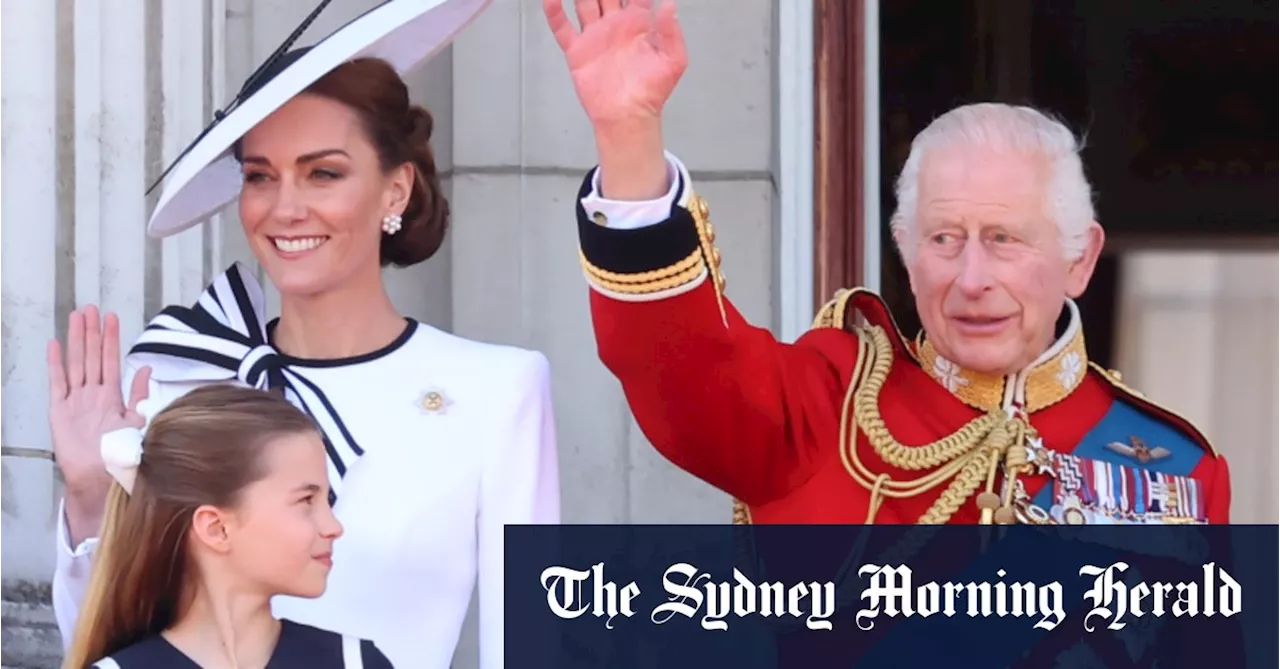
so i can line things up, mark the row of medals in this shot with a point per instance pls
(1068, 509)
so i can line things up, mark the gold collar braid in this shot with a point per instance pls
(1047, 381)
(972, 454)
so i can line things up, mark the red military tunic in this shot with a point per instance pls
(761, 419)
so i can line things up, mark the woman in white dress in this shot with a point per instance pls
(434, 442)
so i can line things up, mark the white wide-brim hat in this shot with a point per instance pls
(405, 33)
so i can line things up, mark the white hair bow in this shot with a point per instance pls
(122, 449)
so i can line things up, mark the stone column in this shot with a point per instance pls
(30, 207)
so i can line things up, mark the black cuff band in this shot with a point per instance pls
(632, 251)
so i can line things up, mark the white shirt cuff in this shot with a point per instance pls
(623, 215)
(84, 548)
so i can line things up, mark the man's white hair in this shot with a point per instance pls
(1001, 126)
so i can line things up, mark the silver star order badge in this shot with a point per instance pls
(1040, 457)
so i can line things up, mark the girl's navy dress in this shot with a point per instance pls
(300, 647)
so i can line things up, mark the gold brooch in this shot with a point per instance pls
(434, 402)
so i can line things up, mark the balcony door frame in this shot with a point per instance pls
(846, 146)
(829, 154)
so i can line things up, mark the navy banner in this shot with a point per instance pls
(622, 596)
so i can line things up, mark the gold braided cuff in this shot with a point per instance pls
(656, 261)
(654, 284)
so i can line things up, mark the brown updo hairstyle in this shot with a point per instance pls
(400, 133)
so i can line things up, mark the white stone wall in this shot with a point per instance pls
(97, 100)
(1198, 334)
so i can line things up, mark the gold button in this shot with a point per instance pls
(600, 218)
(433, 401)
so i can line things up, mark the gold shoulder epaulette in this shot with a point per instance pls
(832, 314)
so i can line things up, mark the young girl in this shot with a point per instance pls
(219, 507)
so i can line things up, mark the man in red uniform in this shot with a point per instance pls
(993, 414)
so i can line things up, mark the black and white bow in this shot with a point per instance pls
(223, 337)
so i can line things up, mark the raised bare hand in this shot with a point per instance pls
(86, 399)
(625, 61)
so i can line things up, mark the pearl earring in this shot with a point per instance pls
(391, 224)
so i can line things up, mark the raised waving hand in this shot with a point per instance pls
(625, 61)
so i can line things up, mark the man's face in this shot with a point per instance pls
(986, 262)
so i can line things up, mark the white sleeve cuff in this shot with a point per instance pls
(83, 549)
(624, 215)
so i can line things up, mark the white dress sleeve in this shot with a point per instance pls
(625, 215)
(520, 485)
(70, 577)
